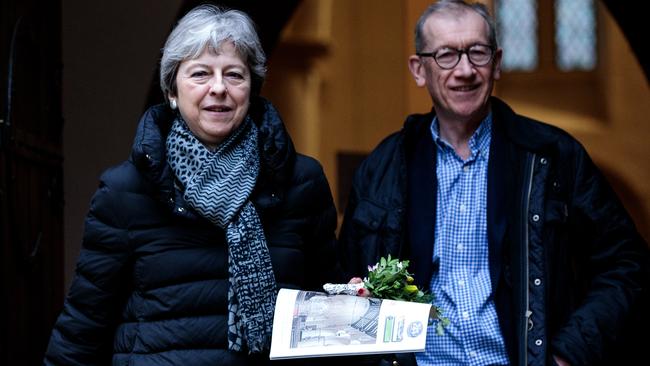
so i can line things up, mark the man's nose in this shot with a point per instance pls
(464, 67)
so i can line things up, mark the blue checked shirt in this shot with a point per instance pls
(461, 277)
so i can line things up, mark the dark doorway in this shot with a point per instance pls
(31, 203)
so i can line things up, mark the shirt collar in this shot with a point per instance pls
(479, 141)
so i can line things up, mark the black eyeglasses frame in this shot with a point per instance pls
(460, 51)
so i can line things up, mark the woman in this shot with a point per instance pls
(186, 243)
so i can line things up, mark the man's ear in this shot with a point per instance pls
(417, 70)
(498, 55)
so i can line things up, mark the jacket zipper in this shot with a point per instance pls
(526, 205)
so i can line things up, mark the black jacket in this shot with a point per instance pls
(561, 246)
(152, 278)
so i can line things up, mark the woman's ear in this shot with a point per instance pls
(172, 101)
(417, 70)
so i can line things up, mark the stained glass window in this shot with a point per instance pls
(517, 33)
(575, 34)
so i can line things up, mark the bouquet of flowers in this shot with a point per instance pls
(390, 279)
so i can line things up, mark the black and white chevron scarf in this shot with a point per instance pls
(218, 186)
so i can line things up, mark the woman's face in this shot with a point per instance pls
(213, 93)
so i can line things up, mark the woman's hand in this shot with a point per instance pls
(560, 361)
(362, 291)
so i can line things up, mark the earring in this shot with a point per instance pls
(172, 104)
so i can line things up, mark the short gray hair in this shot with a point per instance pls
(208, 26)
(454, 7)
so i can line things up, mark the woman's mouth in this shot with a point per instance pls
(218, 108)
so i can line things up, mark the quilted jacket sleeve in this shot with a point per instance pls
(83, 333)
(322, 256)
(372, 226)
(615, 267)
(350, 257)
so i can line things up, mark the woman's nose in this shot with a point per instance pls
(217, 85)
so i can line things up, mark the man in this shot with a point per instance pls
(506, 220)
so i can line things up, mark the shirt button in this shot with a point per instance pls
(535, 217)
(460, 247)
(537, 282)
(461, 283)
(538, 342)
(180, 209)
(472, 353)
(543, 161)
(466, 168)
(462, 207)
(465, 315)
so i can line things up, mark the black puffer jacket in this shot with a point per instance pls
(567, 265)
(152, 278)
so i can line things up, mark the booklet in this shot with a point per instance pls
(315, 324)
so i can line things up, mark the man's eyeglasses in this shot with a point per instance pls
(447, 58)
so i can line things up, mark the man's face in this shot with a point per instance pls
(460, 93)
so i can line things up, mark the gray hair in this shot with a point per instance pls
(455, 7)
(208, 26)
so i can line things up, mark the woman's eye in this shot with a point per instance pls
(235, 75)
(198, 74)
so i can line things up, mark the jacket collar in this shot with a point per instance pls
(277, 153)
(519, 129)
(516, 128)
(148, 153)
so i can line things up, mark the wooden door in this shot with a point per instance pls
(31, 196)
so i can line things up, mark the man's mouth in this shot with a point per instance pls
(464, 88)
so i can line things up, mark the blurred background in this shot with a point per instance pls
(75, 76)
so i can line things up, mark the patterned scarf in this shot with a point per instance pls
(218, 186)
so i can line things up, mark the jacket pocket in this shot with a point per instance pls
(369, 216)
(369, 220)
(556, 211)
